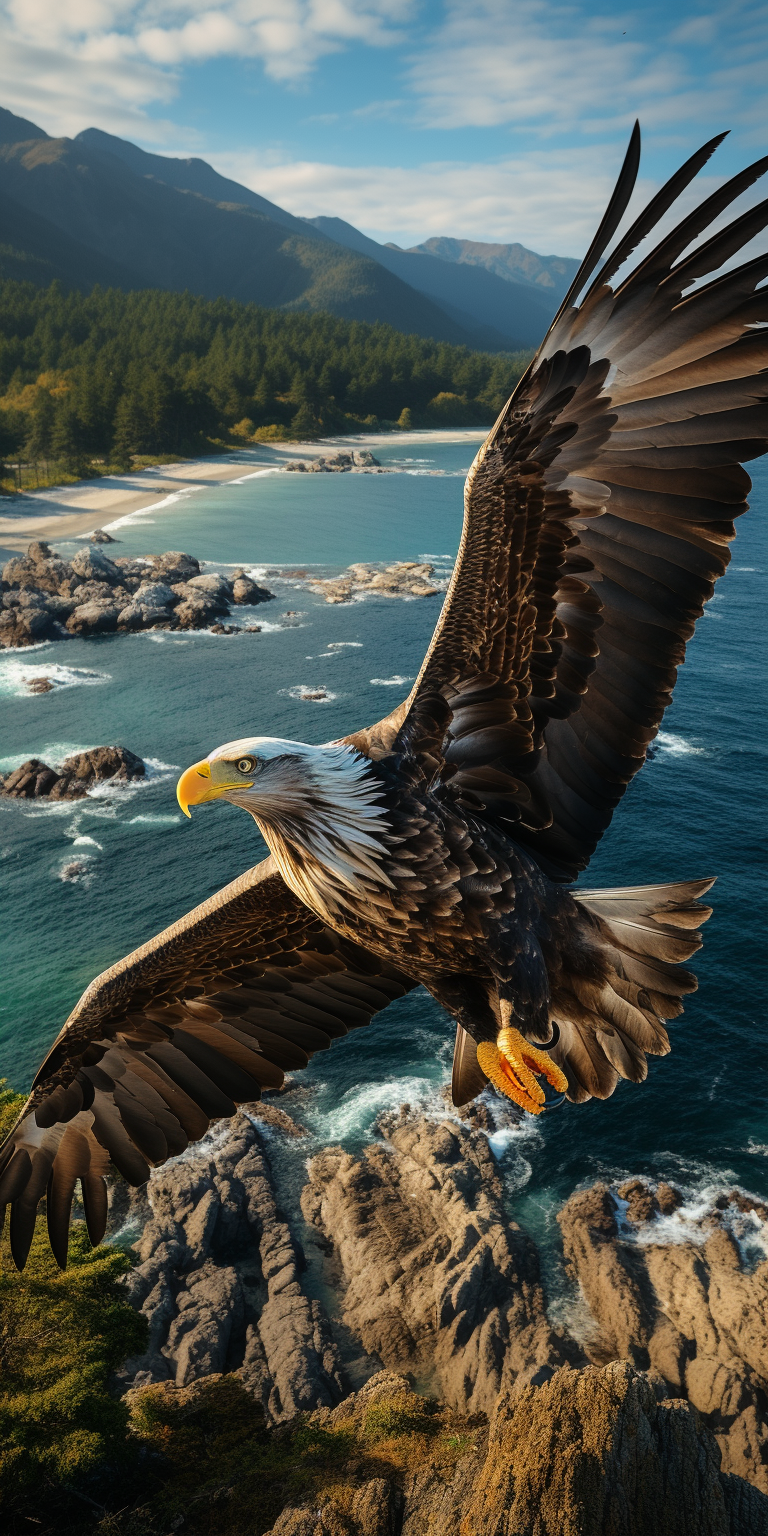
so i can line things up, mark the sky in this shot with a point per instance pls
(495, 120)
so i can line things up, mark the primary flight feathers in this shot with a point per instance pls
(597, 519)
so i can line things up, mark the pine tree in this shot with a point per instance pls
(39, 444)
(129, 431)
(305, 423)
(67, 438)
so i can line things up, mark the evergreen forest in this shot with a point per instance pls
(104, 378)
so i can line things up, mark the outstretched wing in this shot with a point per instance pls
(597, 518)
(203, 1017)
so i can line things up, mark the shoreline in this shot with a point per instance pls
(73, 511)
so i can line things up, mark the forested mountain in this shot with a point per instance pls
(99, 209)
(164, 236)
(111, 375)
(493, 308)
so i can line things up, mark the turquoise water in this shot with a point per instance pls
(697, 808)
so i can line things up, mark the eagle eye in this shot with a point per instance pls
(246, 765)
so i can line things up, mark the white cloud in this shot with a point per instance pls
(106, 61)
(548, 200)
(551, 66)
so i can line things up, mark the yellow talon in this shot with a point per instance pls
(510, 1065)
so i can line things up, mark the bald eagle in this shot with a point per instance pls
(439, 846)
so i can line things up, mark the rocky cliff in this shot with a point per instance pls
(652, 1422)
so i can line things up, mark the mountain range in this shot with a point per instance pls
(97, 209)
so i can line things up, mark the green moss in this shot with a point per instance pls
(61, 1337)
(388, 1420)
(10, 1106)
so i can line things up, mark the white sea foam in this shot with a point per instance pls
(756, 1148)
(156, 821)
(398, 681)
(678, 746)
(54, 753)
(141, 514)
(705, 1189)
(345, 645)
(82, 841)
(16, 675)
(355, 1113)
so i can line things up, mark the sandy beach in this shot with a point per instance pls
(73, 511)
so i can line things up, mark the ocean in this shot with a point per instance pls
(698, 808)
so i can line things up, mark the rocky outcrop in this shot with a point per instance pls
(218, 1279)
(589, 1453)
(34, 780)
(691, 1309)
(346, 461)
(44, 597)
(435, 1277)
(407, 578)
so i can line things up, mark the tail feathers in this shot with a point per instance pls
(609, 1025)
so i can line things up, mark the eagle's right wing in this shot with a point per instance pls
(202, 1018)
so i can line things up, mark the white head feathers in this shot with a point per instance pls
(319, 810)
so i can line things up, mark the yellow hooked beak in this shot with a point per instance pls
(195, 785)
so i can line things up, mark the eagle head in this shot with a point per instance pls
(319, 808)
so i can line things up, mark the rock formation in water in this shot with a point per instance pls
(346, 461)
(652, 1423)
(218, 1278)
(691, 1310)
(46, 598)
(34, 780)
(435, 1277)
(407, 578)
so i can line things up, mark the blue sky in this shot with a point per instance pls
(488, 119)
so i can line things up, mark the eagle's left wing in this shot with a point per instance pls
(202, 1018)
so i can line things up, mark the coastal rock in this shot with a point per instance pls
(40, 569)
(214, 585)
(198, 610)
(76, 775)
(589, 1453)
(154, 594)
(346, 461)
(43, 597)
(173, 566)
(98, 617)
(93, 592)
(246, 590)
(93, 565)
(407, 578)
(218, 1278)
(436, 1277)
(693, 1309)
(99, 536)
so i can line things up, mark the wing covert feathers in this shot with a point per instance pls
(598, 514)
(204, 1017)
